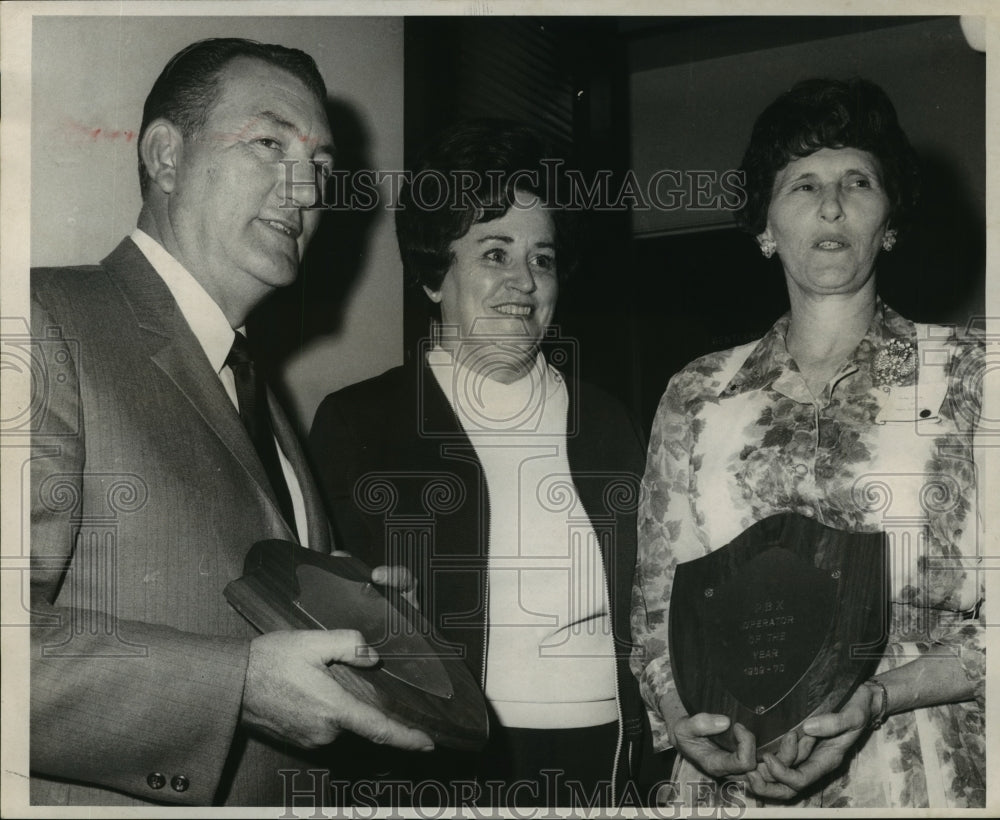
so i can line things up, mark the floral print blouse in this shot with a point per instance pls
(739, 437)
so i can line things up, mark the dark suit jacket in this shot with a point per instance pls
(404, 485)
(146, 495)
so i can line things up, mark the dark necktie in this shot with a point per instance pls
(251, 393)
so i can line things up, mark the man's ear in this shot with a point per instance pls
(161, 149)
(433, 295)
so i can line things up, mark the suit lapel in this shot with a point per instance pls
(174, 349)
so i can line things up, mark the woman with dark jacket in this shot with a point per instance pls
(506, 486)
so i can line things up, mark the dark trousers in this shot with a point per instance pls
(518, 767)
(549, 767)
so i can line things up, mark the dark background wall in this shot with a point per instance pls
(564, 76)
(659, 287)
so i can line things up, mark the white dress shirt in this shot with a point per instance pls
(214, 334)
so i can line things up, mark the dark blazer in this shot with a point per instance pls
(404, 485)
(146, 493)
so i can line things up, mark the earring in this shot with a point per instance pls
(767, 247)
(889, 240)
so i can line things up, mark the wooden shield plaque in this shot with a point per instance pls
(419, 680)
(784, 622)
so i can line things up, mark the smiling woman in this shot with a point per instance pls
(499, 296)
(505, 485)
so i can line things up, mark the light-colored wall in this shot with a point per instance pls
(90, 78)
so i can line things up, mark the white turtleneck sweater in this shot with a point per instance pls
(550, 654)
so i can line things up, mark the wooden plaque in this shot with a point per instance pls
(782, 623)
(419, 680)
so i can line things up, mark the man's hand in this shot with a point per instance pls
(394, 575)
(400, 578)
(290, 695)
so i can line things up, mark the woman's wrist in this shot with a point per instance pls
(879, 703)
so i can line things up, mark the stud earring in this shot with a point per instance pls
(889, 240)
(767, 247)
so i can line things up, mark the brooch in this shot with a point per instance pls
(894, 363)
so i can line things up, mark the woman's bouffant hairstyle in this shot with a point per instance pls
(824, 113)
(188, 86)
(476, 171)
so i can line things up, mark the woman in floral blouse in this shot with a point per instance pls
(848, 413)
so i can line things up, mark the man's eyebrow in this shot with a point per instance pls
(281, 122)
(277, 119)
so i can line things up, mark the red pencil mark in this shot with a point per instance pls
(78, 129)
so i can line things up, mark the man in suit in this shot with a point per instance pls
(147, 491)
